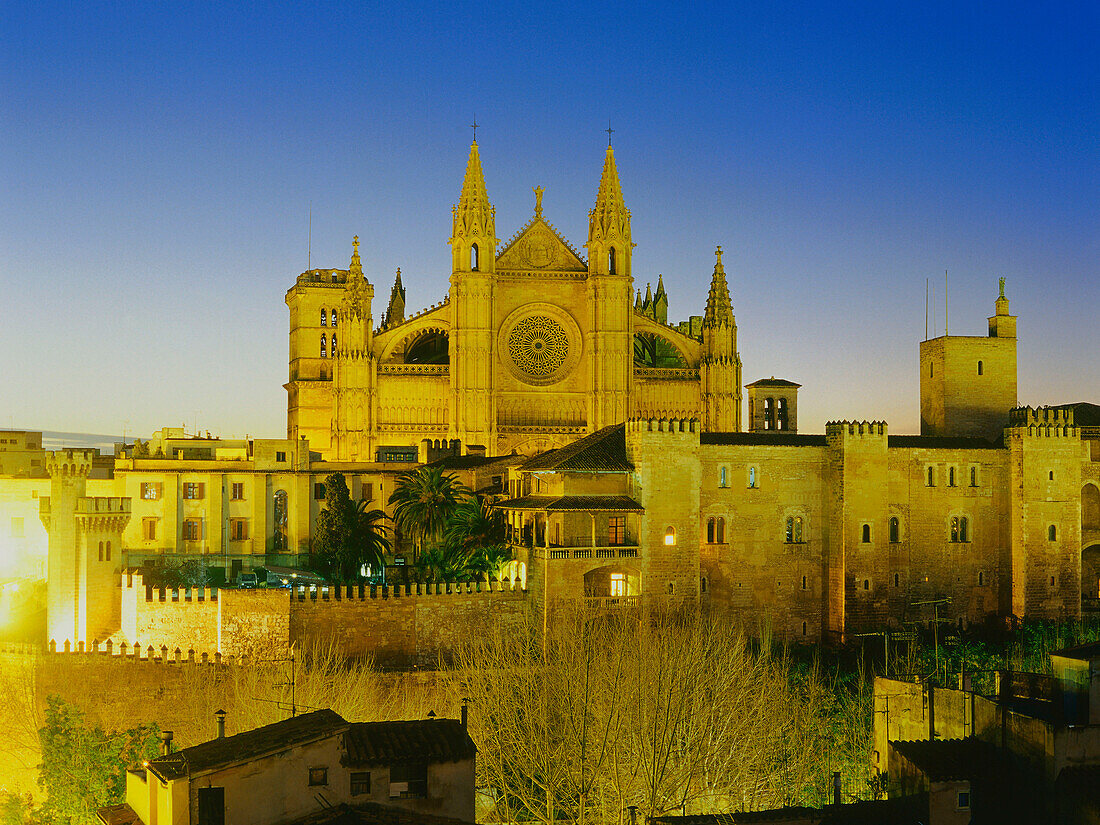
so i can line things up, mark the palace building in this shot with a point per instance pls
(532, 347)
(612, 440)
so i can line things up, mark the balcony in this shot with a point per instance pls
(583, 551)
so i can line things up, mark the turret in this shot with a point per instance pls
(720, 366)
(609, 245)
(473, 234)
(395, 311)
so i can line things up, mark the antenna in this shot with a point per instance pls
(945, 303)
(309, 240)
(925, 309)
(935, 327)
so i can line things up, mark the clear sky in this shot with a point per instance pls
(157, 162)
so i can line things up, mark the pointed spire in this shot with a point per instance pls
(660, 288)
(638, 301)
(610, 192)
(648, 296)
(474, 216)
(355, 271)
(395, 312)
(609, 220)
(719, 307)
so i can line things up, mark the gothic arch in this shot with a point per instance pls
(1090, 507)
(393, 352)
(687, 348)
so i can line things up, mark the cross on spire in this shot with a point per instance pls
(609, 130)
(474, 126)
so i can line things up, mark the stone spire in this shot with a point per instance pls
(660, 302)
(474, 217)
(357, 292)
(395, 312)
(648, 297)
(609, 220)
(719, 306)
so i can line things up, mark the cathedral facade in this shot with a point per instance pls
(533, 346)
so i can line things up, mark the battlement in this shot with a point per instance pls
(69, 463)
(1042, 422)
(683, 426)
(103, 506)
(127, 652)
(837, 429)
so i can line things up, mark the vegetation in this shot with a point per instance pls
(425, 500)
(349, 535)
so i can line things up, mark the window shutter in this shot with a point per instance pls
(199, 490)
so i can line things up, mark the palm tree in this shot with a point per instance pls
(424, 501)
(474, 524)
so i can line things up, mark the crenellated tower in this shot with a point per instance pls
(720, 365)
(473, 255)
(610, 294)
(355, 371)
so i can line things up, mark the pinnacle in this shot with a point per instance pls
(474, 214)
(610, 192)
(356, 267)
(719, 307)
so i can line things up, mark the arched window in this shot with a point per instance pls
(981, 579)
(108, 551)
(798, 529)
(979, 368)
(723, 477)
(950, 476)
(1090, 507)
(611, 261)
(931, 478)
(333, 349)
(973, 476)
(769, 413)
(1052, 475)
(752, 476)
(324, 349)
(964, 529)
(866, 533)
(324, 317)
(897, 580)
(710, 531)
(790, 530)
(954, 528)
(804, 583)
(720, 530)
(895, 530)
(280, 520)
(803, 628)
(473, 257)
(781, 414)
(1052, 533)
(101, 551)
(334, 319)
(670, 536)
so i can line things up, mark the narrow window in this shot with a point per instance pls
(973, 476)
(769, 414)
(866, 584)
(781, 414)
(798, 530)
(720, 530)
(237, 493)
(979, 368)
(752, 476)
(710, 531)
(670, 536)
(790, 530)
(866, 533)
(897, 580)
(981, 579)
(334, 319)
(954, 528)
(931, 370)
(101, 551)
(324, 348)
(723, 479)
(804, 583)
(964, 529)
(803, 628)
(611, 261)
(473, 257)
(931, 478)
(1052, 533)
(324, 317)
(703, 584)
(1052, 581)
(1052, 475)
(108, 551)
(333, 345)
(318, 490)
(895, 530)
(951, 477)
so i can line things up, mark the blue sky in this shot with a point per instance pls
(157, 162)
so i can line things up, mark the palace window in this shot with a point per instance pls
(236, 491)
(931, 477)
(1052, 533)
(192, 530)
(192, 490)
(616, 530)
(238, 529)
(960, 529)
(149, 529)
(716, 530)
(334, 319)
(794, 530)
(973, 476)
(866, 533)
(150, 490)
(752, 477)
(670, 537)
(473, 257)
(895, 530)
(324, 317)
(723, 477)
(324, 348)
(950, 476)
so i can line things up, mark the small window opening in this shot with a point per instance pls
(703, 584)
(979, 368)
(101, 551)
(1052, 533)
(108, 555)
(720, 530)
(333, 348)
(769, 414)
(781, 414)
(954, 528)
(951, 477)
(866, 533)
(931, 478)
(803, 628)
(611, 261)
(895, 530)
(964, 529)
(670, 536)
(981, 579)
(324, 317)
(973, 476)
(752, 477)
(866, 584)
(897, 580)
(324, 347)
(804, 583)
(1051, 475)
(334, 319)
(473, 257)
(710, 531)
(723, 477)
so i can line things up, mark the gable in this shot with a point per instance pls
(538, 247)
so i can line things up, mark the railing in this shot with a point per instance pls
(106, 506)
(584, 552)
(414, 369)
(667, 373)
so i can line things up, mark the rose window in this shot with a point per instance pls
(538, 346)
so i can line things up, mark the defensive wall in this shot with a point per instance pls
(399, 625)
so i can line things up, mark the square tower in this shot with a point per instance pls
(968, 382)
(773, 406)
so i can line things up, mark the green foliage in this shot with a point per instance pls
(84, 767)
(141, 448)
(349, 534)
(473, 524)
(425, 500)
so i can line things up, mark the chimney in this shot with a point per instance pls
(165, 737)
(836, 787)
(465, 708)
(220, 716)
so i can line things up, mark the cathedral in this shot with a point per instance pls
(533, 346)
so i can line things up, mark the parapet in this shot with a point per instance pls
(69, 462)
(662, 425)
(846, 430)
(1052, 422)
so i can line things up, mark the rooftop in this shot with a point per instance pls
(570, 503)
(393, 743)
(946, 760)
(602, 451)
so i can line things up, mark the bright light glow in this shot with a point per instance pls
(670, 536)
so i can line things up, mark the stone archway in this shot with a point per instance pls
(612, 582)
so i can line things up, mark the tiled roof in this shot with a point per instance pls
(372, 813)
(569, 503)
(944, 760)
(232, 750)
(773, 439)
(942, 442)
(419, 740)
(602, 451)
(468, 462)
(118, 815)
(773, 382)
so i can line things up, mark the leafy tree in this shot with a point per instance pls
(474, 524)
(443, 564)
(425, 499)
(84, 767)
(348, 534)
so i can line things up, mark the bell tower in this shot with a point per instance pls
(610, 290)
(473, 254)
